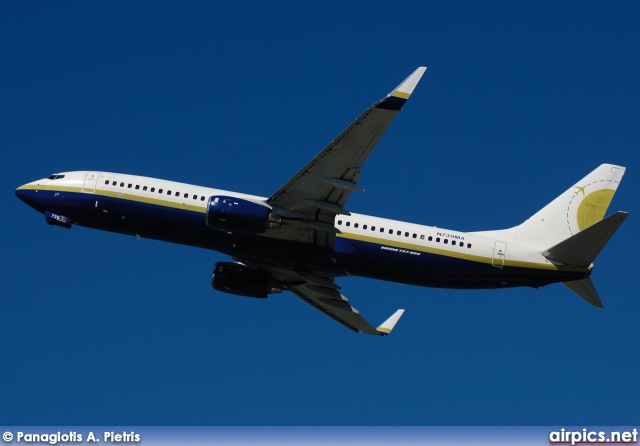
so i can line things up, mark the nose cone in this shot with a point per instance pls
(22, 194)
(29, 196)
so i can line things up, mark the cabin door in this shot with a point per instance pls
(499, 253)
(90, 182)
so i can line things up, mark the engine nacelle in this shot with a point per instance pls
(236, 278)
(239, 216)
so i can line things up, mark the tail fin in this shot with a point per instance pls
(578, 208)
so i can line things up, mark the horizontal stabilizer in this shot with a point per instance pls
(582, 248)
(585, 289)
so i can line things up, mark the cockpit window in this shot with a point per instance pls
(55, 176)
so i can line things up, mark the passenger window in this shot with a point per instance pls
(437, 239)
(391, 231)
(121, 184)
(177, 194)
(159, 191)
(153, 189)
(339, 222)
(137, 186)
(415, 235)
(406, 234)
(430, 238)
(381, 229)
(453, 242)
(399, 233)
(422, 237)
(364, 226)
(113, 184)
(348, 223)
(202, 198)
(168, 192)
(195, 197)
(129, 186)
(373, 228)
(446, 241)
(469, 245)
(106, 182)
(186, 195)
(355, 225)
(144, 188)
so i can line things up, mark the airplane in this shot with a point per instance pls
(301, 238)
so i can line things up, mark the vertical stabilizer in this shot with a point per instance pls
(582, 205)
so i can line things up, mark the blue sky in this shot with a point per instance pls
(518, 102)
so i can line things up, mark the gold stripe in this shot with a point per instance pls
(415, 247)
(460, 255)
(122, 195)
(401, 94)
(37, 187)
(155, 201)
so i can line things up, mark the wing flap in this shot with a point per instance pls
(330, 302)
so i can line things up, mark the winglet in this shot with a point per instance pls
(386, 327)
(405, 89)
(396, 99)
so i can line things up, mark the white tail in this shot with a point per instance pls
(579, 207)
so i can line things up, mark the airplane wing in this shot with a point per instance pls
(336, 306)
(319, 191)
(321, 292)
(310, 200)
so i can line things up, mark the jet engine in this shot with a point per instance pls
(240, 216)
(236, 278)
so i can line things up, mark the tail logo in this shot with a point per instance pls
(589, 203)
(593, 207)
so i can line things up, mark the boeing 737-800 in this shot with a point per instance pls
(301, 238)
